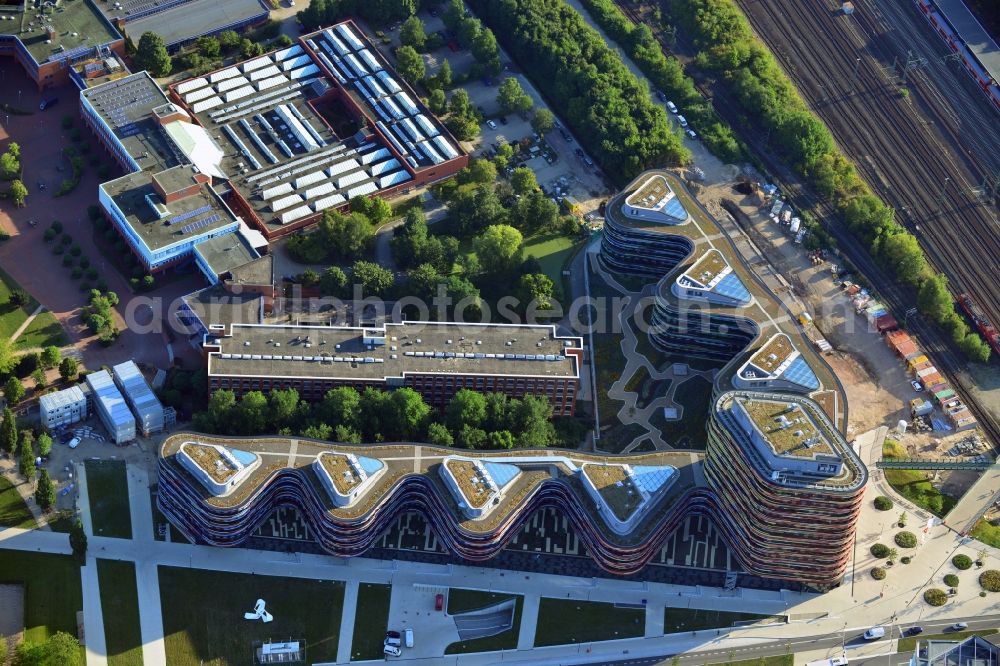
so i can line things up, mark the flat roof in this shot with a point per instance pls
(340, 471)
(787, 427)
(216, 305)
(209, 459)
(615, 488)
(412, 347)
(188, 217)
(259, 271)
(190, 19)
(126, 106)
(973, 34)
(78, 27)
(471, 483)
(774, 352)
(710, 264)
(226, 252)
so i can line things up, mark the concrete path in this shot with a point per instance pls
(27, 322)
(146, 574)
(347, 617)
(93, 615)
(529, 621)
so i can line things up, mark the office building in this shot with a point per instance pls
(62, 408)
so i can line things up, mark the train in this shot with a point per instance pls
(985, 328)
(976, 69)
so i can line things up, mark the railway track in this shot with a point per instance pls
(898, 297)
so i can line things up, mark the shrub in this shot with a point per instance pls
(58, 249)
(49, 235)
(65, 239)
(883, 503)
(76, 273)
(67, 260)
(935, 597)
(905, 560)
(951, 580)
(91, 274)
(101, 286)
(84, 261)
(75, 250)
(906, 539)
(878, 573)
(990, 580)
(56, 226)
(880, 551)
(962, 562)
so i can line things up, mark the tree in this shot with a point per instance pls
(346, 236)
(512, 98)
(933, 298)
(412, 33)
(459, 104)
(8, 432)
(454, 14)
(410, 65)
(222, 409)
(10, 166)
(51, 356)
(498, 248)
(904, 255)
(535, 289)
(26, 464)
(13, 390)
(407, 414)
(39, 376)
(892, 555)
(373, 279)
(504, 153)
(465, 408)
(229, 39)
(284, 407)
(18, 192)
(439, 435)
(340, 406)
(484, 47)
(437, 102)
(151, 54)
(252, 413)
(376, 209)
(975, 348)
(78, 538)
(500, 439)
(371, 414)
(44, 444)
(523, 180)
(467, 31)
(531, 421)
(333, 282)
(68, 368)
(208, 46)
(45, 491)
(543, 121)
(444, 75)
(480, 171)
(250, 49)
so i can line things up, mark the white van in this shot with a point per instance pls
(672, 107)
(875, 633)
(682, 120)
(408, 637)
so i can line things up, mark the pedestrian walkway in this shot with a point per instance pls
(346, 640)
(529, 621)
(27, 322)
(93, 615)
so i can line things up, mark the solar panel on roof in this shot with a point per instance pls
(201, 224)
(177, 219)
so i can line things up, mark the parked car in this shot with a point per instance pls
(439, 602)
(661, 96)
(691, 133)
(958, 626)
(75, 442)
(913, 631)
(393, 638)
(875, 633)
(492, 125)
(672, 107)
(579, 152)
(46, 103)
(503, 120)
(916, 386)
(408, 635)
(682, 120)
(392, 650)
(566, 135)
(589, 162)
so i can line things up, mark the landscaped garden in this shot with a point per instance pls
(571, 621)
(371, 620)
(463, 601)
(13, 511)
(915, 485)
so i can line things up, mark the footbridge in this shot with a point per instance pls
(977, 462)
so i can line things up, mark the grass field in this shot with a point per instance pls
(987, 533)
(570, 621)
(13, 511)
(120, 608)
(462, 601)
(52, 591)
(552, 251)
(914, 484)
(371, 620)
(689, 619)
(43, 331)
(107, 489)
(203, 615)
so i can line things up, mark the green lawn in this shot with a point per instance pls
(689, 619)
(907, 644)
(44, 330)
(987, 533)
(107, 489)
(12, 317)
(695, 396)
(569, 621)
(776, 660)
(915, 485)
(120, 607)
(52, 591)
(462, 601)
(203, 615)
(13, 511)
(371, 620)
(551, 251)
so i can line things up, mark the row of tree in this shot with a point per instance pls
(339, 236)
(667, 74)
(26, 447)
(587, 84)
(727, 46)
(471, 419)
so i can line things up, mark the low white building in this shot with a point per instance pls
(110, 406)
(146, 408)
(63, 408)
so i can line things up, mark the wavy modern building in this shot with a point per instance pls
(787, 484)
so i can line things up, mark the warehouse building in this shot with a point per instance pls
(144, 404)
(63, 408)
(436, 359)
(180, 23)
(111, 408)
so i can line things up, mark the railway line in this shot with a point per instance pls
(908, 161)
(884, 177)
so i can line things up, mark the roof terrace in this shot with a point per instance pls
(615, 488)
(787, 428)
(211, 460)
(655, 201)
(775, 352)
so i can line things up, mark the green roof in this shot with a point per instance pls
(76, 24)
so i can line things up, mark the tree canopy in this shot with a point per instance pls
(151, 54)
(499, 248)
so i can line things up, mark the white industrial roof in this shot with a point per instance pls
(110, 397)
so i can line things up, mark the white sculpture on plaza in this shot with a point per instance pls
(259, 613)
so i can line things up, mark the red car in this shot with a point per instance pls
(439, 602)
